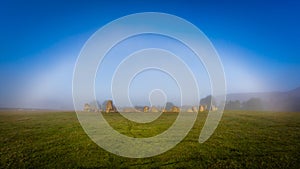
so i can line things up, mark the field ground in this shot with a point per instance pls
(32, 139)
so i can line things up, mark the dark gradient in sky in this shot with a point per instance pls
(257, 41)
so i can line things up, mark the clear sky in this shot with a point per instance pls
(258, 43)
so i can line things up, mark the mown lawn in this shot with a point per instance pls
(243, 139)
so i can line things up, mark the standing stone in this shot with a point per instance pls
(110, 107)
(201, 108)
(146, 109)
(93, 108)
(129, 110)
(153, 109)
(194, 108)
(213, 108)
(175, 109)
(87, 107)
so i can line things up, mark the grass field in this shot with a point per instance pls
(32, 139)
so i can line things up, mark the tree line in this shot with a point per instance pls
(251, 104)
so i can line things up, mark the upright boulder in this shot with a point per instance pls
(110, 107)
(146, 109)
(201, 108)
(194, 108)
(130, 110)
(154, 109)
(213, 108)
(175, 109)
(87, 107)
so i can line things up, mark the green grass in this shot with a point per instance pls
(243, 139)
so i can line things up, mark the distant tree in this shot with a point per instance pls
(233, 105)
(169, 105)
(253, 104)
(208, 100)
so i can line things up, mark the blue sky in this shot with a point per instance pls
(258, 43)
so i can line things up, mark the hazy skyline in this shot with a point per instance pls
(258, 43)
